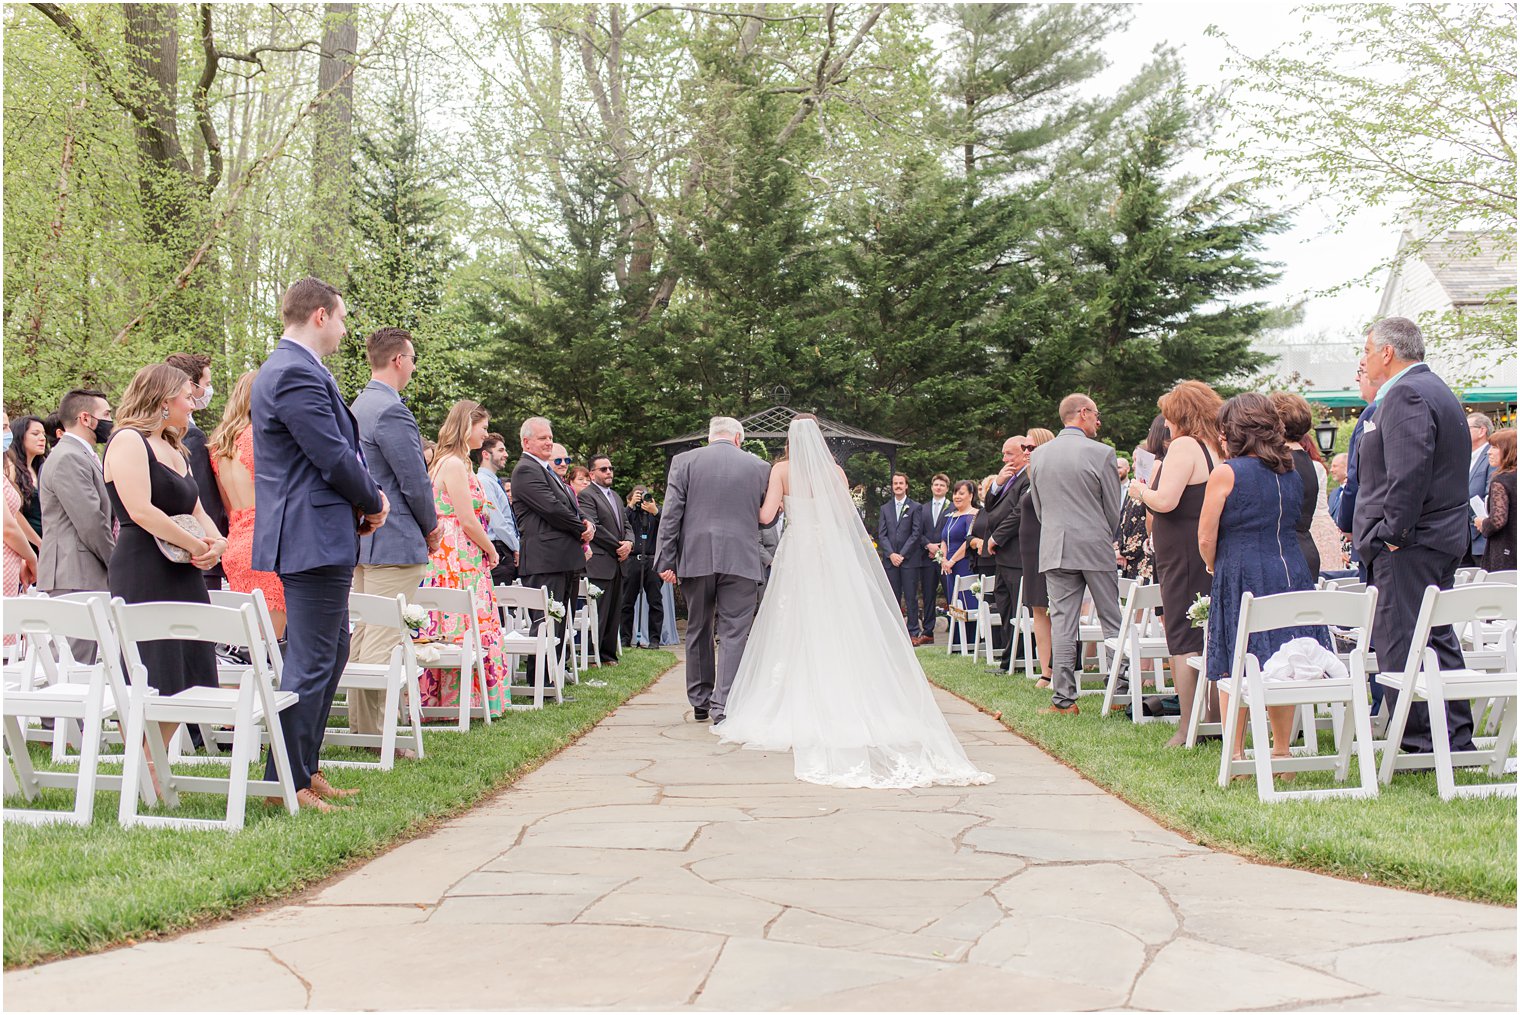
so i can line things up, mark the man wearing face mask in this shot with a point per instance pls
(77, 539)
(197, 367)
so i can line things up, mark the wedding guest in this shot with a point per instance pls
(463, 559)
(315, 499)
(931, 517)
(1344, 518)
(147, 476)
(1190, 414)
(231, 455)
(1245, 534)
(392, 559)
(197, 367)
(639, 576)
(428, 447)
(900, 546)
(982, 560)
(1479, 473)
(1036, 595)
(1002, 509)
(1498, 528)
(1297, 421)
(562, 462)
(579, 477)
(958, 552)
(502, 527)
(610, 547)
(77, 537)
(20, 558)
(52, 426)
(23, 464)
(1122, 465)
(1338, 473)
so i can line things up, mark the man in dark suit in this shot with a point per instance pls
(1346, 508)
(197, 367)
(901, 549)
(932, 515)
(1479, 473)
(550, 529)
(1411, 520)
(315, 499)
(1003, 542)
(610, 546)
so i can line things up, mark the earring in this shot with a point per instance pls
(165, 413)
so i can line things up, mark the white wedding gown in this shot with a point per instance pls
(829, 673)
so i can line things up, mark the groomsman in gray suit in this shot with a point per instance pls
(393, 558)
(77, 539)
(709, 537)
(1075, 487)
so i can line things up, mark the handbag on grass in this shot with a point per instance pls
(178, 554)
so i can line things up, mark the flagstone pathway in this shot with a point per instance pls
(649, 867)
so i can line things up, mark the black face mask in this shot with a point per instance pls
(103, 430)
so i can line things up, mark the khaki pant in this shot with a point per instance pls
(374, 644)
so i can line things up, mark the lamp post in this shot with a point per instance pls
(1325, 432)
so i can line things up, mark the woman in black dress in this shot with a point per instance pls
(23, 465)
(149, 480)
(1499, 526)
(1036, 598)
(1297, 419)
(1175, 498)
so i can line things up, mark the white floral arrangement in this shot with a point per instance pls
(556, 609)
(976, 588)
(858, 497)
(416, 618)
(1198, 613)
(594, 591)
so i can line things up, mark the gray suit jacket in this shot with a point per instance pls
(392, 447)
(76, 520)
(1075, 487)
(711, 520)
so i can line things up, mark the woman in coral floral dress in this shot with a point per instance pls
(464, 558)
(231, 451)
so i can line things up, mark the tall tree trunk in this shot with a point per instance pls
(332, 150)
(153, 53)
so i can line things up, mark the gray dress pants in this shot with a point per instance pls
(1066, 588)
(720, 606)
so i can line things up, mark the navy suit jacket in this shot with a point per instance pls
(1478, 477)
(894, 535)
(392, 447)
(1345, 512)
(310, 483)
(1413, 470)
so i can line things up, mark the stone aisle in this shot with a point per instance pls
(648, 867)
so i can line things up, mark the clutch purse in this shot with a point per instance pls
(178, 554)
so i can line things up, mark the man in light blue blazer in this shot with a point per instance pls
(314, 499)
(392, 560)
(1479, 474)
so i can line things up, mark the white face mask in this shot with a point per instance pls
(205, 399)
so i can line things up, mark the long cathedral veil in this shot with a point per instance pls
(829, 672)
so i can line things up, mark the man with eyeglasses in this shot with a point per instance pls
(610, 546)
(1479, 473)
(1003, 541)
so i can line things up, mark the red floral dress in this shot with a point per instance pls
(237, 562)
(459, 564)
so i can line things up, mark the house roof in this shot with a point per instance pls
(1470, 266)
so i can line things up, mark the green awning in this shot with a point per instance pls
(1345, 398)
(1487, 396)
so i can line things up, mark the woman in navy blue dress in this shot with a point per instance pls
(1246, 534)
(959, 554)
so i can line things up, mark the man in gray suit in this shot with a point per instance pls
(709, 537)
(1074, 484)
(392, 558)
(77, 537)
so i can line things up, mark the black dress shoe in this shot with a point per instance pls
(699, 714)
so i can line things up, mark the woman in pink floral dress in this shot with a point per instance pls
(464, 558)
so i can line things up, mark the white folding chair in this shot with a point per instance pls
(394, 676)
(230, 673)
(1423, 679)
(72, 692)
(956, 625)
(1468, 575)
(1247, 687)
(588, 624)
(518, 639)
(987, 617)
(1140, 640)
(465, 655)
(250, 708)
(1023, 631)
(1498, 577)
(1090, 632)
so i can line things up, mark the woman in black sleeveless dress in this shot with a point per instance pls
(1297, 419)
(145, 491)
(1191, 411)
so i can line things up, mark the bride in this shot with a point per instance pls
(829, 673)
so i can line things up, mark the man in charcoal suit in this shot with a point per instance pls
(932, 515)
(610, 546)
(899, 542)
(1003, 540)
(1075, 488)
(551, 532)
(1479, 473)
(1411, 524)
(710, 539)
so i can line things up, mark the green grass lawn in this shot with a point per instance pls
(71, 889)
(1406, 837)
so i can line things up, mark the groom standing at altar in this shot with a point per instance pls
(709, 539)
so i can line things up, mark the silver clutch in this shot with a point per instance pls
(178, 554)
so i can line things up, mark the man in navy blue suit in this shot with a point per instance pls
(1479, 473)
(932, 514)
(314, 499)
(1411, 520)
(901, 548)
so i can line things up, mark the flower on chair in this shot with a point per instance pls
(1198, 613)
(415, 616)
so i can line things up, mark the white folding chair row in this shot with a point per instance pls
(1342, 584)
(1090, 632)
(230, 673)
(519, 639)
(395, 676)
(465, 655)
(1246, 687)
(1141, 639)
(955, 626)
(1422, 679)
(1022, 633)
